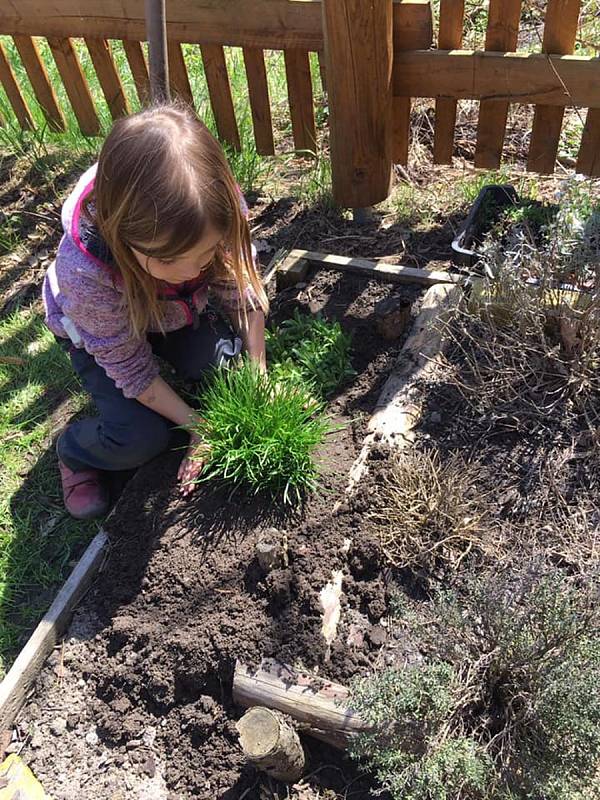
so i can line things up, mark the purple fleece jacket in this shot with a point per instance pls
(84, 300)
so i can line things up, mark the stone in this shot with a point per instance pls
(92, 738)
(149, 767)
(377, 635)
(58, 726)
(392, 317)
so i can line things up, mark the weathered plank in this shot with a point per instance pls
(450, 37)
(320, 706)
(517, 78)
(502, 34)
(588, 159)
(75, 85)
(38, 77)
(178, 75)
(23, 672)
(108, 77)
(358, 55)
(394, 273)
(139, 69)
(560, 30)
(267, 24)
(300, 96)
(399, 405)
(260, 106)
(13, 92)
(219, 90)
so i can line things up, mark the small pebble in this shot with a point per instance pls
(149, 767)
(132, 744)
(58, 726)
(91, 738)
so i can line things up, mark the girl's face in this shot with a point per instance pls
(184, 267)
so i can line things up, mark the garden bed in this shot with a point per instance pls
(142, 703)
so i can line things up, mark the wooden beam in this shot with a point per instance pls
(13, 92)
(219, 90)
(320, 706)
(515, 77)
(292, 270)
(139, 69)
(502, 33)
(588, 159)
(23, 672)
(394, 273)
(358, 55)
(38, 77)
(300, 97)
(108, 77)
(267, 24)
(75, 85)
(401, 399)
(260, 106)
(450, 37)
(560, 30)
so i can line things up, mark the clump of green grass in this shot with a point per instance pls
(505, 703)
(261, 433)
(310, 350)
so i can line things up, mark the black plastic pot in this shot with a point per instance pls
(484, 212)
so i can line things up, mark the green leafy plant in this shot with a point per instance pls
(310, 350)
(505, 702)
(261, 433)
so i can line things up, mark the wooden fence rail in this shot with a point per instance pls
(374, 55)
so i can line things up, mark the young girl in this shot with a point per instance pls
(154, 235)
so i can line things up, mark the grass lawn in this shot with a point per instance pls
(38, 540)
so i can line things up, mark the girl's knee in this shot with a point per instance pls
(133, 446)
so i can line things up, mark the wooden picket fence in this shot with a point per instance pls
(375, 56)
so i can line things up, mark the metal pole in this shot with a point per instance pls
(156, 32)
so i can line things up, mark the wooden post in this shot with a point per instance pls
(358, 59)
(156, 27)
(271, 744)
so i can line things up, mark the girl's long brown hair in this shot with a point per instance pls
(162, 178)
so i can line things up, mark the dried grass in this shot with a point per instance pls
(429, 514)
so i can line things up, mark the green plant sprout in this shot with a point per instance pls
(261, 433)
(262, 430)
(310, 350)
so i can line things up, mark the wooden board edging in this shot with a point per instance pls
(395, 273)
(398, 408)
(14, 687)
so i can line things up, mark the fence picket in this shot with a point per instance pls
(75, 85)
(139, 69)
(11, 87)
(38, 77)
(219, 91)
(560, 30)
(297, 71)
(258, 92)
(588, 160)
(178, 75)
(501, 36)
(108, 77)
(450, 38)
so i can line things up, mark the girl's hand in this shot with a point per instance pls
(192, 464)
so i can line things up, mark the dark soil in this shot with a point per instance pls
(182, 596)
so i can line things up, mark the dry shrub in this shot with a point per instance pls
(428, 512)
(521, 355)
